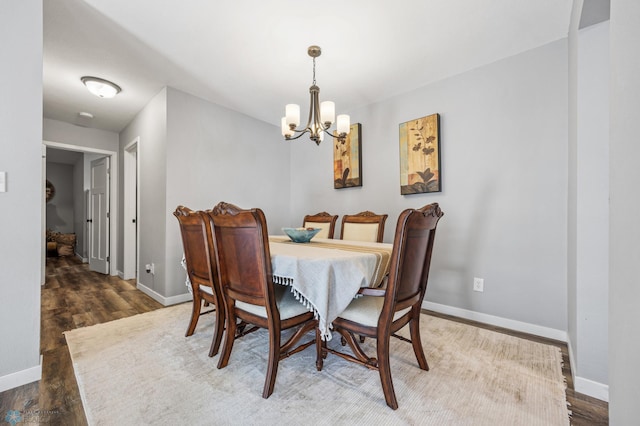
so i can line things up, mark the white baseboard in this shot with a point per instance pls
(20, 378)
(166, 301)
(586, 386)
(83, 259)
(591, 388)
(549, 333)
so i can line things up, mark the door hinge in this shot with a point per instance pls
(108, 258)
(108, 216)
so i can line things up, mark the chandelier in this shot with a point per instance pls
(321, 115)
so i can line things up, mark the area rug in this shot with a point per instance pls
(142, 370)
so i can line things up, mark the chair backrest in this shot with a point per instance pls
(194, 231)
(322, 220)
(241, 245)
(364, 226)
(410, 259)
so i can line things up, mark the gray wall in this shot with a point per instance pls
(592, 225)
(504, 177)
(21, 226)
(572, 192)
(588, 197)
(150, 125)
(624, 249)
(60, 209)
(195, 153)
(215, 154)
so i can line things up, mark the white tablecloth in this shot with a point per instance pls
(323, 279)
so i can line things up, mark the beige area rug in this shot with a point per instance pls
(142, 370)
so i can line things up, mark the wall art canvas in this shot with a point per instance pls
(347, 159)
(420, 155)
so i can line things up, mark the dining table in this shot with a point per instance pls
(325, 274)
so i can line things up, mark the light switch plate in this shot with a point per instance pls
(3, 181)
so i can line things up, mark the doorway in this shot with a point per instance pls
(111, 226)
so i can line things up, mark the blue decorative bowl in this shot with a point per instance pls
(301, 235)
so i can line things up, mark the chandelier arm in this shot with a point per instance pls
(302, 132)
(340, 135)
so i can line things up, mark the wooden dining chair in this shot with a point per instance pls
(380, 313)
(201, 271)
(364, 226)
(322, 220)
(241, 246)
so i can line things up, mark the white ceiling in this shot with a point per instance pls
(251, 55)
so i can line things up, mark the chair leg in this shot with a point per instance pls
(218, 330)
(414, 327)
(274, 360)
(195, 314)
(384, 369)
(319, 349)
(230, 336)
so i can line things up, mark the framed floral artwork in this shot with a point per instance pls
(347, 159)
(420, 155)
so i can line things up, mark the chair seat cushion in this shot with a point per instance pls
(206, 289)
(366, 310)
(288, 305)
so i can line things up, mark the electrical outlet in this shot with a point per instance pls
(478, 284)
(150, 268)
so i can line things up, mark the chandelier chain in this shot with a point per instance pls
(314, 71)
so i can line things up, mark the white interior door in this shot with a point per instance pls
(99, 216)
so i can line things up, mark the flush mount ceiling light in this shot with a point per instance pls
(100, 87)
(321, 115)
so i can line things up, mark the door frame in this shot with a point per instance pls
(113, 195)
(131, 199)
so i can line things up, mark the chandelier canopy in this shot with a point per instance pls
(321, 115)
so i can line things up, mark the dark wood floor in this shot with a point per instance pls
(75, 297)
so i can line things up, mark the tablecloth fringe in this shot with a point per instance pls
(326, 334)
